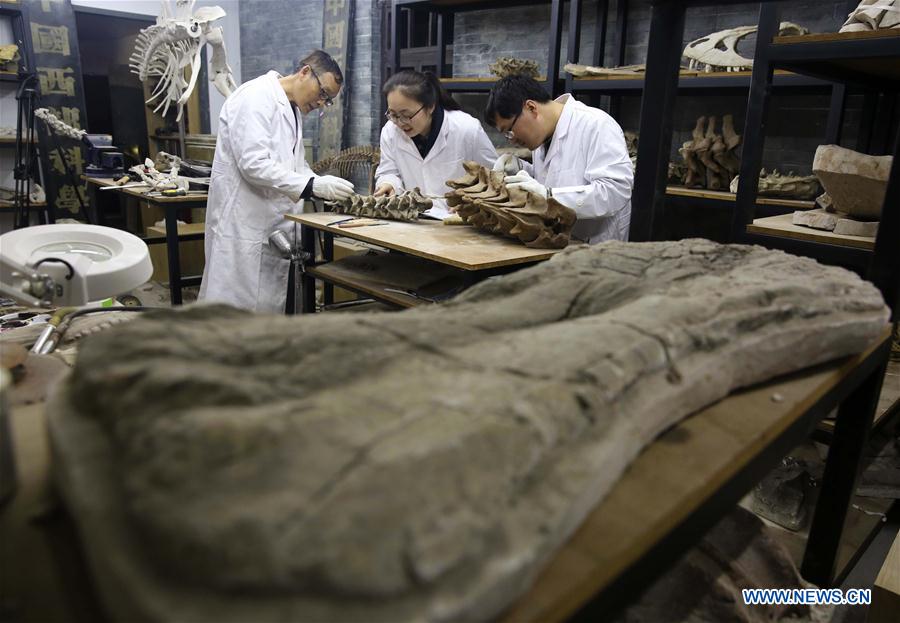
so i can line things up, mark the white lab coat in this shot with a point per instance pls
(588, 169)
(258, 174)
(461, 138)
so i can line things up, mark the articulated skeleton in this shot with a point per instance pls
(718, 51)
(164, 50)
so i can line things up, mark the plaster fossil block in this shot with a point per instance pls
(405, 206)
(508, 66)
(852, 227)
(856, 182)
(413, 466)
(817, 219)
(705, 585)
(873, 15)
(482, 199)
(718, 51)
(790, 186)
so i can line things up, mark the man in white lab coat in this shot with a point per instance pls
(578, 152)
(259, 175)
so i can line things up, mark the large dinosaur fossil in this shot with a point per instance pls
(165, 49)
(873, 15)
(413, 466)
(483, 200)
(406, 206)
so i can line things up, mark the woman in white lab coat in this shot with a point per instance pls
(428, 138)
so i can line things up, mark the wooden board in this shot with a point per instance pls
(782, 227)
(335, 274)
(885, 605)
(10, 140)
(837, 36)
(721, 195)
(463, 247)
(668, 482)
(138, 191)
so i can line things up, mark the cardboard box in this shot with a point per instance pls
(191, 256)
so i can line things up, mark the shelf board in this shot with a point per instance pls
(783, 227)
(871, 57)
(11, 140)
(721, 195)
(693, 80)
(34, 205)
(888, 401)
(333, 273)
(9, 76)
(465, 5)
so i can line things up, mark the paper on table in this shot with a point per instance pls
(438, 210)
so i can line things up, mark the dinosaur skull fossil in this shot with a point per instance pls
(718, 51)
(176, 40)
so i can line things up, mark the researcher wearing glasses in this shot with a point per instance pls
(578, 153)
(259, 175)
(426, 139)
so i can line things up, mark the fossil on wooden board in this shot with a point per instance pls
(873, 15)
(9, 54)
(482, 199)
(508, 66)
(855, 182)
(790, 186)
(718, 51)
(421, 465)
(710, 158)
(581, 71)
(405, 206)
(347, 162)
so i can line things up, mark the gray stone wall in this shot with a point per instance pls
(276, 33)
(796, 122)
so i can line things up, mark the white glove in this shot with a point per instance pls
(508, 163)
(331, 187)
(523, 181)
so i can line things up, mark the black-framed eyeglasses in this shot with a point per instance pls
(508, 133)
(326, 99)
(401, 118)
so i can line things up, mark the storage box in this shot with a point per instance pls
(191, 255)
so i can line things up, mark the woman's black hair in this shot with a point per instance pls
(423, 87)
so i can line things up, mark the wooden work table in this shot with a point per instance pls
(475, 252)
(677, 488)
(170, 206)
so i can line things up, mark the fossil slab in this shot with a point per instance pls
(855, 182)
(852, 227)
(421, 465)
(482, 199)
(406, 206)
(817, 219)
(790, 186)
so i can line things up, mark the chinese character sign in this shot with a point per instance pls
(336, 25)
(58, 67)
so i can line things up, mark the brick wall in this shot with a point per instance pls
(797, 122)
(276, 33)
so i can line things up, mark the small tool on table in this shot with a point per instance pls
(356, 221)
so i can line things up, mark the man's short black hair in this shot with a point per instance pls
(508, 97)
(322, 64)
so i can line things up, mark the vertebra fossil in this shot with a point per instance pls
(402, 207)
(483, 200)
(718, 51)
(710, 158)
(165, 49)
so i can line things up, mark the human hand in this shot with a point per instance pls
(508, 163)
(386, 190)
(523, 181)
(331, 187)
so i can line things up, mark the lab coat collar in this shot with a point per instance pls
(562, 125)
(280, 95)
